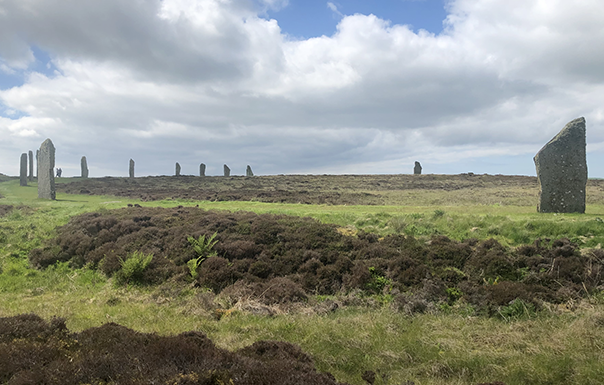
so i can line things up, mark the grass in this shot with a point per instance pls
(549, 348)
(509, 225)
(559, 345)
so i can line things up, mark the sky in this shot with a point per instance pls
(299, 86)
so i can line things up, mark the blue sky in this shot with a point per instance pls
(312, 18)
(41, 64)
(271, 84)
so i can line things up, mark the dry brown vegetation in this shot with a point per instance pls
(5, 209)
(429, 189)
(34, 351)
(311, 189)
(279, 259)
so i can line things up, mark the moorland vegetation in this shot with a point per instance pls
(320, 189)
(413, 283)
(277, 259)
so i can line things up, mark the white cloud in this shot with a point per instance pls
(334, 9)
(550, 40)
(210, 81)
(274, 5)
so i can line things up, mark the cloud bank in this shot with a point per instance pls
(212, 81)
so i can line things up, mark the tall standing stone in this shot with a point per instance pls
(31, 166)
(23, 170)
(46, 167)
(84, 167)
(202, 170)
(227, 170)
(131, 170)
(37, 164)
(417, 169)
(177, 169)
(562, 171)
(248, 171)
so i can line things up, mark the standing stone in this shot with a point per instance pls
(248, 171)
(131, 171)
(417, 169)
(31, 166)
(202, 170)
(562, 171)
(46, 168)
(177, 169)
(227, 170)
(23, 170)
(37, 164)
(84, 167)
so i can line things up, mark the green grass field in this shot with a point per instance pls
(561, 344)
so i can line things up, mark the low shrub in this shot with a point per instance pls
(5, 209)
(38, 352)
(516, 309)
(203, 248)
(132, 268)
(219, 249)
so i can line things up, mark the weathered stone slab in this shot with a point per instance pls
(31, 166)
(37, 164)
(562, 171)
(131, 170)
(46, 168)
(248, 171)
(202, 170)
(177, 171)
(84, 167)
(417, 169)
(227, 170)
(23, 170)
